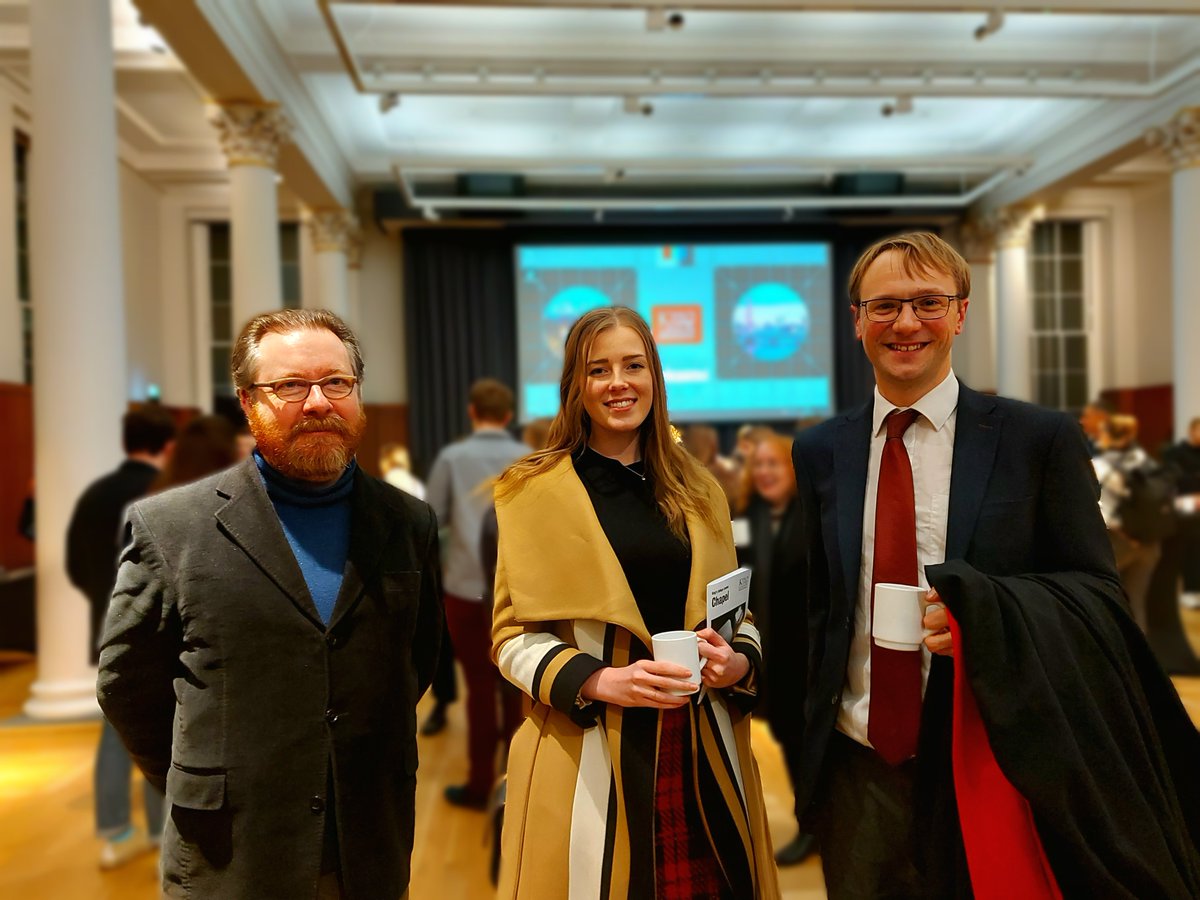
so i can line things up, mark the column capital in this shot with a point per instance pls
(978, 235)
(1014, 225)
(354, 249)
(251, 133)
(1179, 139)
(332, 230)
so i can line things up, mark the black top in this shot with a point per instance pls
(656, 563)
(94, 539)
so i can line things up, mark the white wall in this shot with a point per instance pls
(1130, 279)
(381, 331)
(1151, 302)
(12, 349)
(141, 254)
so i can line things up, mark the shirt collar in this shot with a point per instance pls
(936, 406)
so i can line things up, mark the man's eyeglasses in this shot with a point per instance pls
(296, 390)
(887, 309)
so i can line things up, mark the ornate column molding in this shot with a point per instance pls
(1014, 225)
(251, 133)
(978, 238)
(1180, 138)
(332, 230)
(354, 249)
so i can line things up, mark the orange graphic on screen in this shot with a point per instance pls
(683, 324)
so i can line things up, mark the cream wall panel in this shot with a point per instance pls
(1151, 301)
(140, 252)
(381, 331)
(12, 353)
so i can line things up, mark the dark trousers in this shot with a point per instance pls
(470, 624)
(445, 682)
(864, 824)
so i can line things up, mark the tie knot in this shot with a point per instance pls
(897, 422)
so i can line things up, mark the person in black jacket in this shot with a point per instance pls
(775, 555)
(92, 549)
(1184, 458)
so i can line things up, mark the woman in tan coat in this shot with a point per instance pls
(617, 787)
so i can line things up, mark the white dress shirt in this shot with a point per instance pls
(930, 445)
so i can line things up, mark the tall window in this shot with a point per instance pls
(24, 296)
(1060, 339)
(220, 279)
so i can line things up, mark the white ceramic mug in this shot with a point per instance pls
(681, 648)
(896, 622)
(741, 532)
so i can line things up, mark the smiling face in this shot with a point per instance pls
(618, 391)
(772, 474)
(315, 439)
(910, 356)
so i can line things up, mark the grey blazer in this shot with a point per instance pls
(260, 721)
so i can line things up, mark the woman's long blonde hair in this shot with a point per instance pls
(680, 486)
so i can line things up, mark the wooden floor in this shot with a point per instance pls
(48, 852)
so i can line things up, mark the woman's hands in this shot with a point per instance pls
(725, 665)
(643, 683)
(650, 683)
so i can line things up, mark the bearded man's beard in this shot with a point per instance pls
(314, 449)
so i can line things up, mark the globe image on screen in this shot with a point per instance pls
(771, 321)
(564, 308)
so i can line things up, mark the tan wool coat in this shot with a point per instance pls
(579, 817)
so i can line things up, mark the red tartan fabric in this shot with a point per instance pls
(685, 866)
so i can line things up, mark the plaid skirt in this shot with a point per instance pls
(686, 867)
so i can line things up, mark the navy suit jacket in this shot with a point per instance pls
(1023, 500)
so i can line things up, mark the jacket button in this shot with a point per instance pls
(317, 805)
(332, 640)
(833, 700)
(331, 717)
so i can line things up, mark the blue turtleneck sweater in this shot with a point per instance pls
(316, 521)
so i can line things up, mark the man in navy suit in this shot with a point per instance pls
(1003, 492)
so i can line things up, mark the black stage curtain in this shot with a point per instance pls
(461, 324)
(461, 310)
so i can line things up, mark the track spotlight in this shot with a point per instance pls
(903, 104)
(993, 23)
(388, 101)
(660, 19)
(637, 106)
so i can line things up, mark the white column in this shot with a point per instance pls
(79, 335)
(12, 355)
(976, 364)
(332, 231)
(251, 135)
(1180, 139)
(1014, 306)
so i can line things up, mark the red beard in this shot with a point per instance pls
(315, 449)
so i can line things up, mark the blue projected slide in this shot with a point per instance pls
(744, 330)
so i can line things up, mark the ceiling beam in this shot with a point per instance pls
(198, 45)
(1108, 7)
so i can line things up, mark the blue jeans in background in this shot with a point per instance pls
(113, 769)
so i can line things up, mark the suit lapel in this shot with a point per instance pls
(370, 530)
(851, 454)
(976, 436)
(250, 520)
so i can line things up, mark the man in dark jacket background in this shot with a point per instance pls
(93, 545)
(272, 629)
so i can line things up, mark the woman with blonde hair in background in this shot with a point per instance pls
(625, 780)
(775, 554)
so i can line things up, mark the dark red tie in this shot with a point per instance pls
(895, 711)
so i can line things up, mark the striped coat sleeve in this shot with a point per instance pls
(535, 659)
(744, 694)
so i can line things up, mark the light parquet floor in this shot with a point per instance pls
(48, 852)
